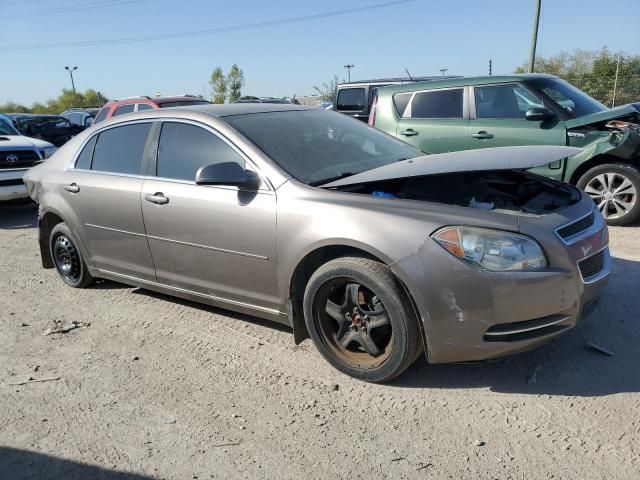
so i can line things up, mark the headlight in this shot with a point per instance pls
(48, 151)
(492, 249)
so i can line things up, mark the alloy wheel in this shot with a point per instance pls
(614, 194)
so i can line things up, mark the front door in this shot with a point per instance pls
(214, 240)
(104, 191)
(435, 121)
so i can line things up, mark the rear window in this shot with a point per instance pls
(102, 115)
(120, 149)
(401, 100)
(122, 109)
(437, 104)
(351, 99)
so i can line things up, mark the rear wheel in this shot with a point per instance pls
(615, 189)
(67, 258)
(361, 320)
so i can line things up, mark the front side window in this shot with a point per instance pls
(504, 101)
(102, 114)
(184, 148)
(571, 99)
(351, 99)
(122, 109)
(120, 149)
(437, 104)
(84, 159)
(316, 146)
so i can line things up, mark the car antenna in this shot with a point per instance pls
(407, 70)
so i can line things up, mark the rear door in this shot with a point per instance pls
(435, 121)
(104, 190)
(218, 241)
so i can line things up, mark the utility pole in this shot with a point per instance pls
(349, 67)
(615, 83)
(443, 70)
(534, 36)
(490, 68)
(70, 70)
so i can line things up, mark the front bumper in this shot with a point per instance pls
(472, 314)
(11, 185)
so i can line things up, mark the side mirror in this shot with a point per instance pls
(538, 114)
(227, 173)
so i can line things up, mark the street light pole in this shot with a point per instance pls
(70, 70)
(534, 36)
(349, 67)
(443, 70)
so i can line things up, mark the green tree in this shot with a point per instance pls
(327, 90)
(218, 84)
(67, 99)
(236, 81)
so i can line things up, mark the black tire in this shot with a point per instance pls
(382, 314)
(595, 182)
(67, 257)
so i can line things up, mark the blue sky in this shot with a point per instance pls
(287, 59)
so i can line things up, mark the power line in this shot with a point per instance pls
(69, 9)
(195, 33)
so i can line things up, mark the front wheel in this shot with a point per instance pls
(360, 319)
(614, 188)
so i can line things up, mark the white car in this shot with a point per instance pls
(17, 155)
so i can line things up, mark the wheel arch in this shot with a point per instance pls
(600, 160)
(46, 222)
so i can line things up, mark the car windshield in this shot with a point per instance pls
(6, 129)
(574, 101)
(317, 146)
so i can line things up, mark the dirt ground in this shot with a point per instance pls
(161, 388)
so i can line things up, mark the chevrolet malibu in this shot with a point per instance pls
(315, 220)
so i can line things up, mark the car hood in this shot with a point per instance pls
(611, 114)
(20, 142)
(487, 159)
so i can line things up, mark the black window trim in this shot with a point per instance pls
(465, 103)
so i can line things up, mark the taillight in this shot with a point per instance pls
(372, 111)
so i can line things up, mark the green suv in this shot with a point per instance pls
(534, 109)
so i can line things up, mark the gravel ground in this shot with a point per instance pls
(161, 388)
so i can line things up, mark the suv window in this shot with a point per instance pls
(351, 99)
(120, 149)
(184, 148)
(122, 109)
(84, 159)
(437, 104)
(102, 114)
(504, 101)
(144, 106)
(401, 100)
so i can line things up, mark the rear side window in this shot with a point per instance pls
(102, 114)
(120, 149)
(122, 109)
(84, 159)
(437, 104)
(144, 106)
(351, 99)
(401, 100)
(184, 148)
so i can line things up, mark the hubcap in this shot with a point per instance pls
(353, 323)
(614, 194)
(66, 258)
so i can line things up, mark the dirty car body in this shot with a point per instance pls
(322, 219)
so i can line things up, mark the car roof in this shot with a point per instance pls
(33, 115)
(375, 81)
(159, 100)
(463, 82)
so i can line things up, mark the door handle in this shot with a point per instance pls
(158, 198)
(409, 132)
(72, 187)
(482, 135)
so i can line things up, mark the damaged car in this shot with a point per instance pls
(533, 109)
(306, 217)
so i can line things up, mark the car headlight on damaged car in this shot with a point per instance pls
(47, 152)
(492, 249)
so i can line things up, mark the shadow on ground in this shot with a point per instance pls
(18, 464)
(18, 216)
(567, 366)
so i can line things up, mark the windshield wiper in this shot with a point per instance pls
(331, 179)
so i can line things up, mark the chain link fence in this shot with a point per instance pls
(608, 90)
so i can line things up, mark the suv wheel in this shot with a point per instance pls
(615, 189)
(67, 258)
(361, 320)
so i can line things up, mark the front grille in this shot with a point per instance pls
(576, 227)
(592, 265)
(25, 158)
